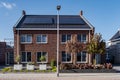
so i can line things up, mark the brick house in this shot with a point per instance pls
(36, 36)
(113, 49)
(6, 54)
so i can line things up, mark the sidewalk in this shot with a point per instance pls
(63, 76)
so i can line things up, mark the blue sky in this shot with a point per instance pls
(104, 15)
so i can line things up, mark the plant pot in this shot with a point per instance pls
(18, 67)
(30, 67)
(42, 67)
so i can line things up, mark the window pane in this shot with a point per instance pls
(45, 55)
(63, 38)
(68, 57)
(68, 37)
(83, 56)
(84, 38)
(28, 56)
(28, 38)
(38, 56)
(79, 37)
(22, 38)
(38, 38)
(79, 57)
(23, 57)
(63, 56)
(44, 38)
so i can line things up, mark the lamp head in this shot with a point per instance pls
(58, 7)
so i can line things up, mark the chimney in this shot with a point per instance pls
(23, 12)
(81, 13)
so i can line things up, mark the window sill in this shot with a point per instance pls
(41, 42)
(25, 62)
(26, 42)
(67, 62)
(82, 62)
(41, 62)
(63, 42)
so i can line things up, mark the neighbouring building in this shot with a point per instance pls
(113, 48)
(6, 54)
(36, 36)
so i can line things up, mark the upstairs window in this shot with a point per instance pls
(41, 38)
(66, 37)
(26, 38)
(82, 38)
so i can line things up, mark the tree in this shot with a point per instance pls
(74, 46)
(17, 59)
(96, 45)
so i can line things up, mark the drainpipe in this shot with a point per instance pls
(17, 43)
(89, 55)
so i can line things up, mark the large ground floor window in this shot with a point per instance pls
(39, 54)
(81, 57)
(26, 57)
(66, 57)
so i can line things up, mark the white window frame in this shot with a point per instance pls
(46, 57)
(25, 35)
(65, 38)
(81, 35)
(66, 57)
(41, 39)
(81, 58)
(26, 57)
(82, 38)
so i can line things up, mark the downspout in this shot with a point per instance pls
(89, 55)
(17, 43)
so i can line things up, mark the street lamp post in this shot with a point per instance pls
(58, 8)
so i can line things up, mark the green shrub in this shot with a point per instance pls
(42, 58)
(52, 63)
(54, 69)
(7, 69)
(17, 59)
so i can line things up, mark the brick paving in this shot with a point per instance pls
(52, 76)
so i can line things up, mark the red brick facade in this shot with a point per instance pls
(50, 47)
(2, 52)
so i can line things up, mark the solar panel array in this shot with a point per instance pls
(71, 20)
(53, 20)
(37, 20)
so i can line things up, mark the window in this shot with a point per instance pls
(84, 38)
(66, 37)
(41, 39)
(66, 57)
(39, 54)
(26, 57)
(81, 57)
(81, 37)
(27, 38)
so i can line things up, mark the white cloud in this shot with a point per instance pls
(8, 5)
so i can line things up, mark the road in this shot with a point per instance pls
(63, 76)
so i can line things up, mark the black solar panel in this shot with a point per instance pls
(35, 20)
(71, 20)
